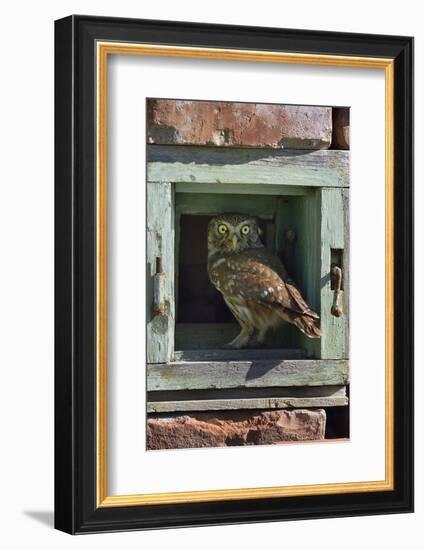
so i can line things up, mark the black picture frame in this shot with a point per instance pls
(76, 508)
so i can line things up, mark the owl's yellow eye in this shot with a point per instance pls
(245, 229)
(222, 229)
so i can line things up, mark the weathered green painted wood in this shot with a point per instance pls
(301, 217)
(200, 336)
(251, 354)
(213, 337)
(241, 189)
(210, 203)
(246, 166)
(333, 340)
(160, 242)
(310, 259)
(177, 244)
(289, 219)
(346, 265)
(248, 393)
(240, 374)
(240, 404)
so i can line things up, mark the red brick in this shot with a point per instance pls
(229, 428)
(175, 122)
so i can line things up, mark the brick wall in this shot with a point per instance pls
(222, 124)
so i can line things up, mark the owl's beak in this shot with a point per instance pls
(234, 242)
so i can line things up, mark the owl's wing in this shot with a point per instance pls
(296, 295)
(273, 262)
(258, 276)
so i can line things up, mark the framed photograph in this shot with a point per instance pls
(233, 271)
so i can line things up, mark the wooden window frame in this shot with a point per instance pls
(322, 177)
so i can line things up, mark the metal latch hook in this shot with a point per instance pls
(159, 289)
(337, 275)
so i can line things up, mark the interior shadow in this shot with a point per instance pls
(260, 369)
(325, 280)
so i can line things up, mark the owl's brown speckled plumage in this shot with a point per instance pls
(253, 282)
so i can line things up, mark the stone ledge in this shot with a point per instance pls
(176, 122)
(225, 429)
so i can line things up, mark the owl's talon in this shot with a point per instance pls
(241, 340)
(230, 345)
(260, 337)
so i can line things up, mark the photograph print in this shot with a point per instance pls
(247, 286)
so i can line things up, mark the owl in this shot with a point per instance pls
(254, 283)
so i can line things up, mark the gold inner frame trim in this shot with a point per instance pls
(104, 49)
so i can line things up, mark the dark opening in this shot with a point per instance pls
(203, 320)
(198, 299)
(337, 423)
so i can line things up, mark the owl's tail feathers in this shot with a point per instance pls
(306, 322)
(307, 325)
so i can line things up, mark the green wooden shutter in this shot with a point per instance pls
(160, 243)
(334, 248)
